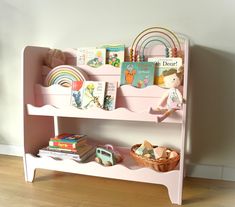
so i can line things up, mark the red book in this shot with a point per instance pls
(66, 137)
(67, 145)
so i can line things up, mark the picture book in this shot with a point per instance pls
(137, 74)
(164, 64)
(93, 94)
(76, 94)
(82, 53)
(94, 57)
(115, 54)
(110, 96)
(82, 154)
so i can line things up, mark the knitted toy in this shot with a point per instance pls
(54, 57)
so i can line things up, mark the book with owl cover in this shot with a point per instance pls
(137, 74)
(93, 94)
(163, 64)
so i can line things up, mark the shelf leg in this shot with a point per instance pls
(29, 170)
(175, 193)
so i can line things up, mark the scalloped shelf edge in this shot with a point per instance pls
(105, 70)
(124, 90)
(52, 90)
(97, 113)
(149, 91)
(127, 173)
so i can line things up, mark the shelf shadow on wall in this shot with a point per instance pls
(212, 106)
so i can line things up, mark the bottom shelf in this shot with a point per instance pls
(127, 170)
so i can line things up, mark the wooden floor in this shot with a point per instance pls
(56, 189)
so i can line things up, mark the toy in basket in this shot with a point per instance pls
(161, 159)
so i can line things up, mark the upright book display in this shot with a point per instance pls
(41, 116)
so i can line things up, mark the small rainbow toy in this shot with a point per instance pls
(64, 75)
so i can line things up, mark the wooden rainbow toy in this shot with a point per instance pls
(64, 75)
(164, 38)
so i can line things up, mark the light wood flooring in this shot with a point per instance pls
(56, 189)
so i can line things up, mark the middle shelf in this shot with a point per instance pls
(117, 114)
(132, 104)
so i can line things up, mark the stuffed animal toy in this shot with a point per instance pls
(172, 100)
(54, 57)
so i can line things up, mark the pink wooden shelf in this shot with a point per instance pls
(133, 104)
(117, 114)
(42, 106)
(126, 170)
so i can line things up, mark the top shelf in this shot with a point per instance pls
(131, 104)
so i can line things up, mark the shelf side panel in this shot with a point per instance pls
(36, 130)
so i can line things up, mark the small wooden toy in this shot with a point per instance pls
(107, 156)
(173, 154)
(157, 36)
(145, 149)
(160, 152)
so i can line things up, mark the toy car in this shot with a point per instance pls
(105, 156)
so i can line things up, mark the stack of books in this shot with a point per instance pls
(68, 146)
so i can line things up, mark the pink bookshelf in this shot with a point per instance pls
(42, 106)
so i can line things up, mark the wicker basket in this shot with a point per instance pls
(158, 165)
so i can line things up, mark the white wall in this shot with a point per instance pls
(77, 23)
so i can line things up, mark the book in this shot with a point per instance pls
(93, 94)
(67, 145)
(67, 137)
(67, 141)
(81, 155)
(81, 54)
(163, 64)
(110, 96)
(76, 94)
(137, 74)
(94, 57)
(115, 54)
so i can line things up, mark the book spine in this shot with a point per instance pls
(63, 145)
(58, 148)
(110, 96)
(62, 136)
(69, 141)
(67, 145)
(64, 155)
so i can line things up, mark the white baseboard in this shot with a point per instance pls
(192, 170)
(210, 172)
(11, 150)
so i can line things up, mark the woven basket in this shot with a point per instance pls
(158, 165)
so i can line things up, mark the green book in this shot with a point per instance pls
(137, 74)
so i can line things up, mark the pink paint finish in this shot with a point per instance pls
(43, 105)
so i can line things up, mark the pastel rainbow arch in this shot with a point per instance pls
(158, 36)
(64, 75)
